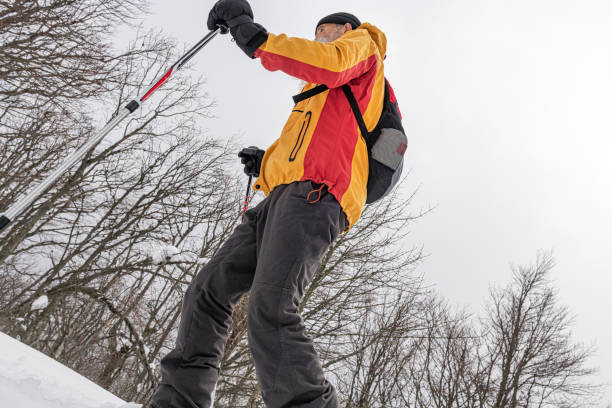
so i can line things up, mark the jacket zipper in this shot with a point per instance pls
(300, 140)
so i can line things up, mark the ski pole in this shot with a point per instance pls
(247, 196)
(129, 108)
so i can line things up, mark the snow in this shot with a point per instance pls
(161, 252)
(40, 303)
(30, 379)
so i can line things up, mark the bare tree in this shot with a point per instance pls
(57, 52)
(113, 245)
(521, 354)
(533, 360)
(55, 61)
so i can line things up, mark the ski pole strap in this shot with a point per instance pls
(356, 111)
(310, 93)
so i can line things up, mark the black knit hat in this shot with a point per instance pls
(340, 18)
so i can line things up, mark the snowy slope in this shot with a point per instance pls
(30, 379)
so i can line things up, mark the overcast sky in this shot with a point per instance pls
(507, 107)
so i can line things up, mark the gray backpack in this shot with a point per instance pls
(387, 143)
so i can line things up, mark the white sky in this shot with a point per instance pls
(507, 108)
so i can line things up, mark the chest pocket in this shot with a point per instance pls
(299, 142)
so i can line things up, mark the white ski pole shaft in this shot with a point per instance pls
(129, 108)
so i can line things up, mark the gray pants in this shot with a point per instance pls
(274, 253)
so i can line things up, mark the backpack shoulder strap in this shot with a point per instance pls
(355, 107)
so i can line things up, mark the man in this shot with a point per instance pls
(314, 177)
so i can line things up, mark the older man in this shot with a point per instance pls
(314, 178)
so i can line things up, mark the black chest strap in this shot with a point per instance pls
(349, 95)
(310, 93)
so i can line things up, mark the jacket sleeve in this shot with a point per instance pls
(333, 64)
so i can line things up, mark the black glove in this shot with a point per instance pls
(251, 158)
(238, 16)
(226, 10)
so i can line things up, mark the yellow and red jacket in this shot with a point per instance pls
(321, 140)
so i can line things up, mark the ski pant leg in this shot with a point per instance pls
(297, 234)
(190, 371)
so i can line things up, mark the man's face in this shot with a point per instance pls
(329, 32)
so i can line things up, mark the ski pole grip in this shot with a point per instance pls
(4, 221)
(223, 28)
